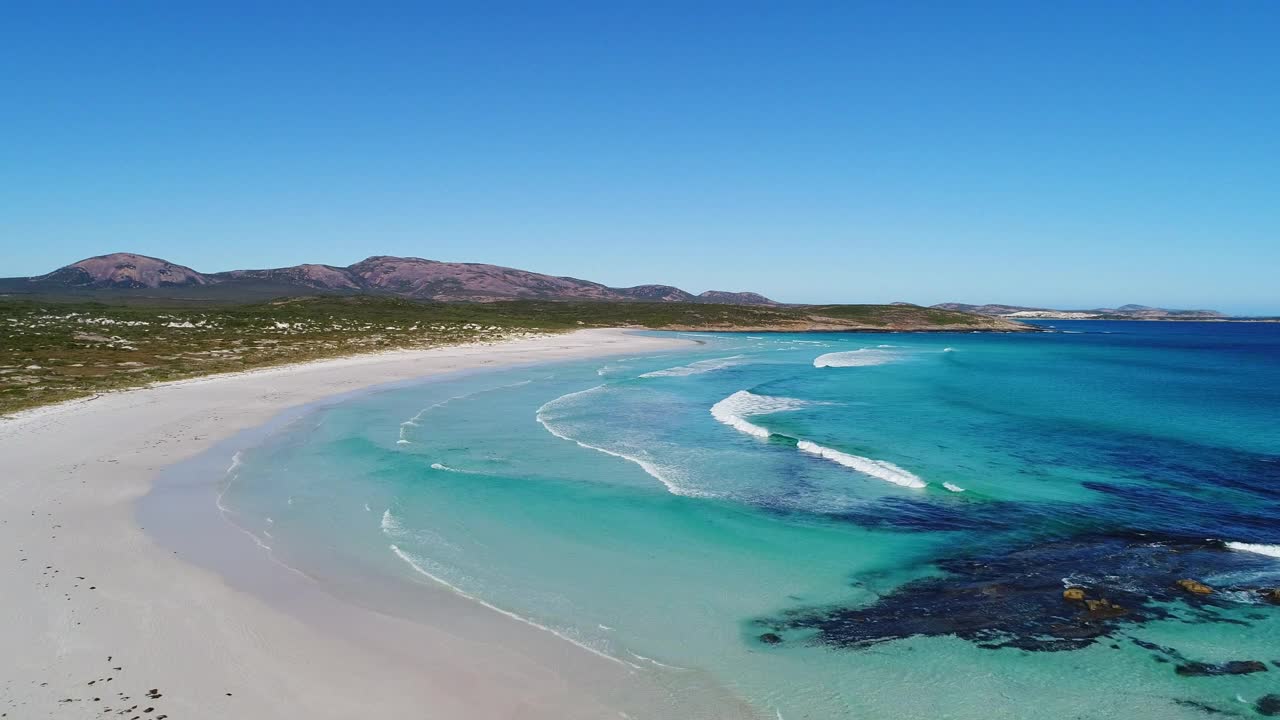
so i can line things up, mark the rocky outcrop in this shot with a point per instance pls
(1195, 586)
(1014, 598)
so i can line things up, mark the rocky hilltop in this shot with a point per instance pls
(123, 270)
(407, 277)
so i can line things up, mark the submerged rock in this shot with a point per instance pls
(1269, 705)
(770, 638)
(1016, 599)
(1195, 586)
(1235, 667)
(1201, 706)
(1104, 608)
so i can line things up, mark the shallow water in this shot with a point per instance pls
(835, 525)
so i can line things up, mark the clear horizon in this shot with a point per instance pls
(1075, 157)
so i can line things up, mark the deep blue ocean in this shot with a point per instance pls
(836, 525)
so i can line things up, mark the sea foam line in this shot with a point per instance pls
(413, 563)
(229, 516)
(642, 658)
(696, 368)
(645, 465)
(446, 468)
(414, 421)
(881, 469)
(863, 357)
(1268, 550)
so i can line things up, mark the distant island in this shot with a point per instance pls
(1124, 312)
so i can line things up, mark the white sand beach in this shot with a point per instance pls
(100, 618)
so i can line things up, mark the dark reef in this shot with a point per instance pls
(1016, 599)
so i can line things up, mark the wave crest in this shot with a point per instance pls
(735, 409)
(1268, 550)
(881, 469)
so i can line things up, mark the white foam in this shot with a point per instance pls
(880, 469)
(413, 563)
(642, 658)
(646, 465)
(952, 487)
(235, 463)
(948, 349)
(390, 523)
(1268, 550)
(447, 468)
(696, 368)
(415, 420)
(856, 358)
(734, 410)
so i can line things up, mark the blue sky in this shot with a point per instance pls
(1066, 154)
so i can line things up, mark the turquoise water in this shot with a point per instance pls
(834, 525)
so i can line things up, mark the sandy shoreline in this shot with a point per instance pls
(101, 618)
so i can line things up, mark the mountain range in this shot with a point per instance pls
(406, 277)
(1124, 312)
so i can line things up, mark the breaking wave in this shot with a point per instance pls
(856, 358)
(881, 469)
(1268, 550)
(735, 409)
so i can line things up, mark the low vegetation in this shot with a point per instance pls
(52, 351)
